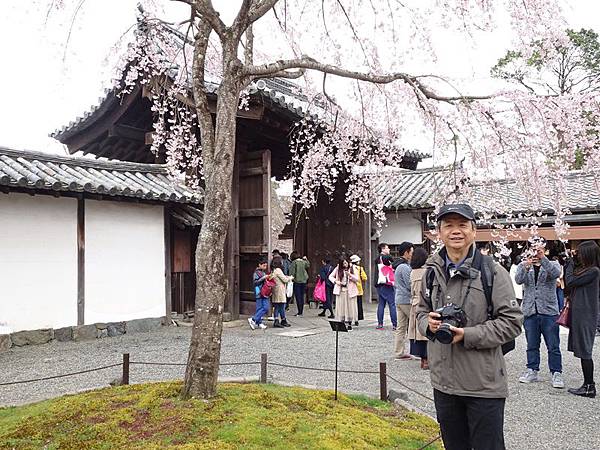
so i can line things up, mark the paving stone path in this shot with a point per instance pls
(537, 416)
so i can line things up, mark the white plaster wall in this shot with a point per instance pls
(400, 227)
(124, 261)
(38, 262)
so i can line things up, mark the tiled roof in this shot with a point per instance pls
(278, 92)
(419, 189)
(186, 215)
(414, 189)
(40, 171)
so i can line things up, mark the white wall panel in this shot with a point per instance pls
(38, 262)
(401, 227)
(124, 261)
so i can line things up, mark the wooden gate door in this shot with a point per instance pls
(254, 221)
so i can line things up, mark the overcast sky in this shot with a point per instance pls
(42, 88)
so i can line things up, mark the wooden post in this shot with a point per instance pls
(168, 264)
(383, 395)
(80, 261)
(125, 378)
(263, 367)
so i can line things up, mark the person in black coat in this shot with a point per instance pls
(584, 287)
(326, 269)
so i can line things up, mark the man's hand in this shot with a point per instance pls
(540, 253)
(434, 321)
(459, 334)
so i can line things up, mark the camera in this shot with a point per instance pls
(451, 315)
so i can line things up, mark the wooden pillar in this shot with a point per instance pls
(168, 263)
(80, 261)
(232, 245)
(368, 259)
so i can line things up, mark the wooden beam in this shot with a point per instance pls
(127, 132)
(253, 249)
(168, 262)
(254, 212)
(80, 261)
(252, 171)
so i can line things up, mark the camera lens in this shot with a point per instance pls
(444, 334)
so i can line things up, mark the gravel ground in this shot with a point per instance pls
(537, 416)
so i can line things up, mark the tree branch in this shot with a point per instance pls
(249, 51)
(306, 62)
(291, 74)
(206, 9)
(260, 8)
(205, 122)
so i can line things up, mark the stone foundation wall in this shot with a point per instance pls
(78, 333)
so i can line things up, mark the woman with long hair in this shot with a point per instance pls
(418, 342)
(584, 289)
(345, 290)
(278, 297)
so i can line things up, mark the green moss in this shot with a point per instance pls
(242, 416)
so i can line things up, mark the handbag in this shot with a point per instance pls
(267, 288)
(289, 289)
(564, 318)
(319, 292)
(381, 279)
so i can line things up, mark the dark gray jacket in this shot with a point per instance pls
(539, 298)
(474, 367)
(402, 283)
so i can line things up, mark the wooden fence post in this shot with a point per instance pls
(383, 394)
(263, 367)
(125, 378)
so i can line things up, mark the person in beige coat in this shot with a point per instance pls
(345, 289)
(418, 342)
(278, 297)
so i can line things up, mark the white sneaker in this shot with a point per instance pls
(251, 323)
(529, 376)
(557, 380)
(262, 326)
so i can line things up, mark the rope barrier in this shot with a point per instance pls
(150, 363)
(409, 388)
(289, 366)
(439, 436)
(60, 376)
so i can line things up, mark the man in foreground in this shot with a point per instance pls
(468, 372)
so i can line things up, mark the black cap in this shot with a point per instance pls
(462, 209)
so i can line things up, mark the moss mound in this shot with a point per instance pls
(243, 416)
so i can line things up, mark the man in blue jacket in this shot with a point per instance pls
(538, 276)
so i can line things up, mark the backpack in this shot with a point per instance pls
(485, 265)
(385, 274)
(267, 288)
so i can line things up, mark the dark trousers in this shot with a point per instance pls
(299, 290)
(537, 326)
(470, 423)
(359, 300)
(328, 306)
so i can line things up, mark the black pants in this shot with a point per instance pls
(328, 306)
(359, 300)
(470, 422)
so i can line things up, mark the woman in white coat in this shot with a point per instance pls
(345, 289)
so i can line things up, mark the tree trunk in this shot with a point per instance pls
(212, 286)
